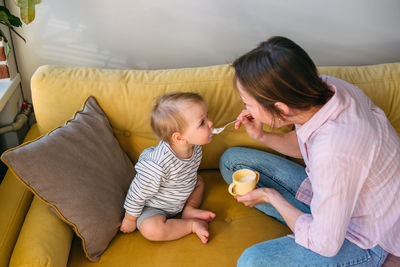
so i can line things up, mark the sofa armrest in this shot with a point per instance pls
(45, 240)
(30, 233)
(14, 204)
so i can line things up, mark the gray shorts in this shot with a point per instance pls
(150, 212)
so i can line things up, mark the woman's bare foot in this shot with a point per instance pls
(192, 213)
(200, 227)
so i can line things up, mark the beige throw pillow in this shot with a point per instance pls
(82, 172)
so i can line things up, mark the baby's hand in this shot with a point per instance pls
(128, 224)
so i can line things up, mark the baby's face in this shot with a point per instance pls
(199, 126)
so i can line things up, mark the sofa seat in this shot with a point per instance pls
(235, 228)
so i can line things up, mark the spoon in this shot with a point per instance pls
(219, 130)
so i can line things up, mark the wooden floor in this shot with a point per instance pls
(392, 261)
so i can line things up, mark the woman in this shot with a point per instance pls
(343, 207)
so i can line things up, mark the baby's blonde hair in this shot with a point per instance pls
(167, 116)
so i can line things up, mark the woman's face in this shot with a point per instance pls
(256, 110)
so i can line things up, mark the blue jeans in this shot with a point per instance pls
(286, 177)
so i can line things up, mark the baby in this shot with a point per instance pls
(167, 182)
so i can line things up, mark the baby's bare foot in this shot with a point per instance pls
(200, 227)
(192, 213)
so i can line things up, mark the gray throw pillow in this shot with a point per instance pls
(82, 172)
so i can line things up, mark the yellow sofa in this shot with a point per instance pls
(32, 235)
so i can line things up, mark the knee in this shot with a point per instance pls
(151, 229)
(228, 162)
(236, 156)
(224, 159)
(249, 258)
(282, 251)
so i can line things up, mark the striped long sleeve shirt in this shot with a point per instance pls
(352, 156)
(162, 180)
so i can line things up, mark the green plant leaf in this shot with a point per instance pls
(8, 18)
(11, 21)
(27, 8)
(7, 48)
(4, 37)
(15, 21)
(4, 18)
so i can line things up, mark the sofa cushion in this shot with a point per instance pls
(81, 171)
(127, 96)
(379, 82)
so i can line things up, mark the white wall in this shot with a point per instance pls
(153, 34)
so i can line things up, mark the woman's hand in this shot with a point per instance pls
(269, 195)
(257, 196)
(254, 128)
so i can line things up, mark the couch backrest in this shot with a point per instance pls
(380, 82)
(126, 96)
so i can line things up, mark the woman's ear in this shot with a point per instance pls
(178, 138)
(283, 108)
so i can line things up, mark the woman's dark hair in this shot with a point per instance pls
(279, 70)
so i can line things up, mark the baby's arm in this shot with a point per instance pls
(196, 197)
(128, 223)
(143, 187)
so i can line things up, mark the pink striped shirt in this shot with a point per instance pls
(352, 156)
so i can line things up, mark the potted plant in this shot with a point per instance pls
(27, 8)
(11, 21)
